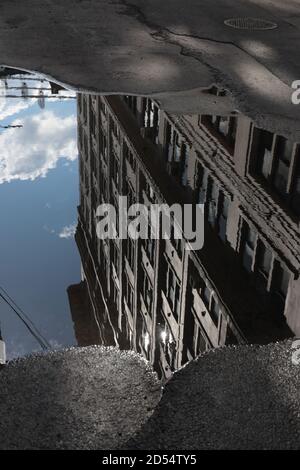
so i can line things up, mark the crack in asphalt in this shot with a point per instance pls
(163, 32)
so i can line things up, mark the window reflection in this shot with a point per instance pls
(243, 285)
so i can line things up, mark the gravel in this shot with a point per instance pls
(230, 398)
(81, 398)
(244, 397)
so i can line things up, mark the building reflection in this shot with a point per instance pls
(158, 298)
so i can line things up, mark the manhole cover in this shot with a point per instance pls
(254, 24)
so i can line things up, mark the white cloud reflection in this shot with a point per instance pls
(68, 231)
(9, 108)
(31, 151)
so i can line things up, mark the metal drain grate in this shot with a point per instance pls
(252, 24)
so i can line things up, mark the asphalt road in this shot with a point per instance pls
(89, 398)
(162, 48)
(245, 397)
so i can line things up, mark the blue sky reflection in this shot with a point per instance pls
(38, 200)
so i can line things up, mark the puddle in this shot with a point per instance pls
(158, 297)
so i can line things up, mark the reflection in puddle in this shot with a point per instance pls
(156, 297)
(38, 198)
